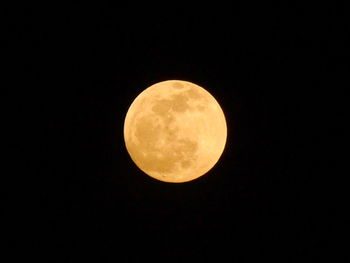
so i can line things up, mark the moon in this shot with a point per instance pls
(175, 131)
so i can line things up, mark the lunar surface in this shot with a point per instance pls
(175, 131)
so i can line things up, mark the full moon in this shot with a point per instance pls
(175, 131)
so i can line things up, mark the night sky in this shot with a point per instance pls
(277, 70)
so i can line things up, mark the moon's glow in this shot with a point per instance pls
(175, 131)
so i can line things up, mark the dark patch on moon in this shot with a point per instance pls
(180, 103)
(193, 94)
(178, 85)
(161, 107)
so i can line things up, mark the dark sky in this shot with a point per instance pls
(276, 69)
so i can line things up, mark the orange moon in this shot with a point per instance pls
(175, 131)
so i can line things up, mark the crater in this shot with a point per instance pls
(200, 108)
(185, 164)
(193, 94)
(180, 103)
(178, 153)
(178, 85)
(146, 131)
(161, 107)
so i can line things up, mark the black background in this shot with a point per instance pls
(277, 70)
